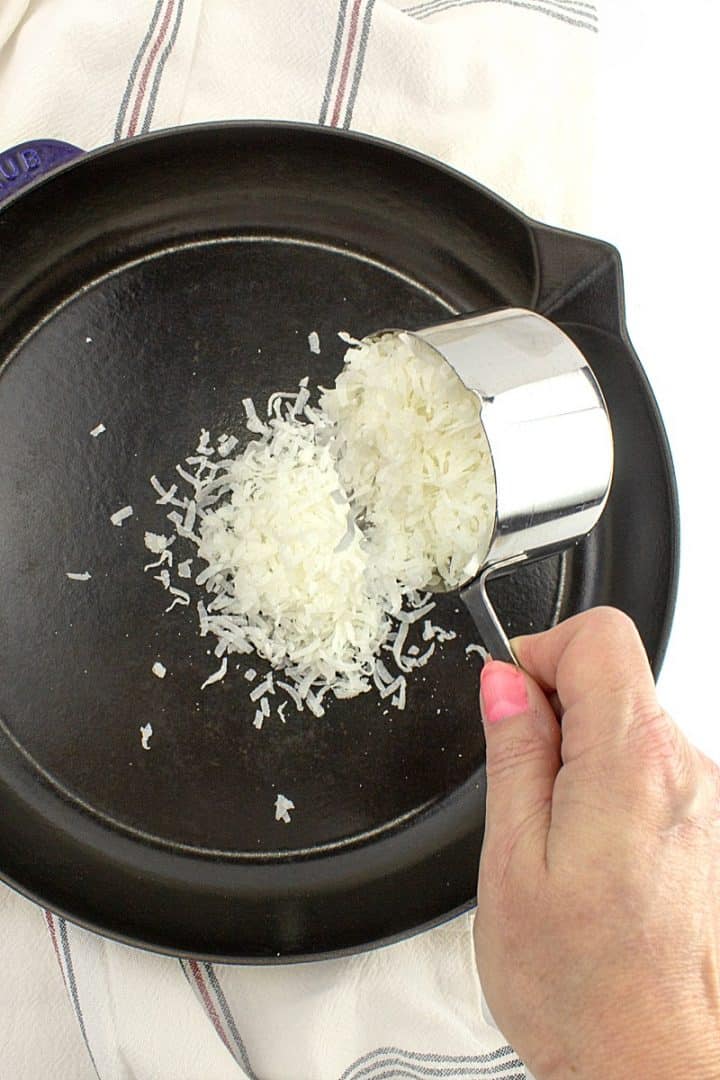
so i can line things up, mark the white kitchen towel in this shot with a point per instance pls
(501, 89)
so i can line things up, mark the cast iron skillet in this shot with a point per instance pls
(151, 286)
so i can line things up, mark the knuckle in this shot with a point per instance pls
(517, 750)
(673, 774)
(620, 639)
(654, 736)
(611, 620)
(608, 656)
(617, 635)
(659, 748)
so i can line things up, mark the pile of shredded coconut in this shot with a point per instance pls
(288, 568)
(318, 540)
(414, 459)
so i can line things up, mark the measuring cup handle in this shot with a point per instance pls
(478, 603)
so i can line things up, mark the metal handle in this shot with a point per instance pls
(478, 603)
(28, 161)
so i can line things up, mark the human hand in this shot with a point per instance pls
(597, 931)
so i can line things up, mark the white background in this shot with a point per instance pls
(656, 188)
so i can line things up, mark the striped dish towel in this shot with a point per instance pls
(501, 89)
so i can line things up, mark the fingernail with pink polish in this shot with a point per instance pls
(503, 691)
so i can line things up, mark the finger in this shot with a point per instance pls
(522, 739)
(597, 665)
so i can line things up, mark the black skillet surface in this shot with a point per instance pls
(152, 286)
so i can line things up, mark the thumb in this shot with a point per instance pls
(522, 737)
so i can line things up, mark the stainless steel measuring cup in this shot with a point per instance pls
(549, 435)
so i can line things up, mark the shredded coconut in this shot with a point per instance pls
(166, 495)
(262, 688)
(437, 633)
(282, 807)
(320, 539)
(85, 576)
(182, 597)
(165, 557)
(216, 675)
(156, 542)
(145, 735)
(227, 445)
(159, 669)
(164, 578)
(203, 446)
(98, 430)
(314, 341)
(287, 592)
(414, 459)
(121, 515)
